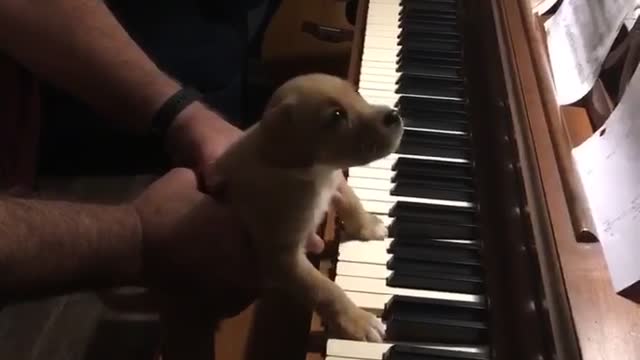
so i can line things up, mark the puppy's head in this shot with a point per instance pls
(320, 119)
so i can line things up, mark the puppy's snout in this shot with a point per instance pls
(391, 118)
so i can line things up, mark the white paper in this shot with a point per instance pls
(632, 16)
(579, 37)
(609, 167)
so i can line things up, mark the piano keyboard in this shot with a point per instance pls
(426, 280)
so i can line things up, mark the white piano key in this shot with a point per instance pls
(379, 286)
(384, 163)
(379, 101)
(356, 349)
(379, 55)
(376, 271)
(368, 183)
(386, 47)
(386, 220)
(395, 96)
(385, 196)
(434, 158)
(377, 207)
(371, 252)
(383, 207)
(389, 87)
(371, 173)
(381, 26)
(388, 11)
(373, 303)
(388, 98)
(352, 349)
(383, 2)
(378, 78)
(378, 74)
(372, 41)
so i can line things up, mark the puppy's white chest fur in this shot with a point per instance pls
(326, 189)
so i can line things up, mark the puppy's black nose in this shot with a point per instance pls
(391, 118)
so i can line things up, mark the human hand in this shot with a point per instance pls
(193, 246)
(198, 136)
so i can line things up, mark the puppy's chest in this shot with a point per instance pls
(323, 200)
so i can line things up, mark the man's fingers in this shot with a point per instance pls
(182, 177)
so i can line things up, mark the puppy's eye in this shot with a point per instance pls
(339, 116)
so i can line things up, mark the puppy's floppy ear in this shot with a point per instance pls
(284, 142)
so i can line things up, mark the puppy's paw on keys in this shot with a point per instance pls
(371, 229)
(360, 325)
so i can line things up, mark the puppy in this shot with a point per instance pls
(280, 178)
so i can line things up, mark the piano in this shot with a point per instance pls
(483, 259)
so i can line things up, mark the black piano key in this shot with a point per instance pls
(431, 7)
(427, 16)
(433, 212)
(456, 120)
(409, 39)
(431, 190)
(414, 54)
(427, 267)
(441, 29)
(425, 69)
(409, 320)
(452, 107)
(429, 252)
(432, 179)
(427, 143)
(436, 282)
(410, 225)
(456, 117)
(434, 168)
(437, 138)
(430, 86)
(415, 352)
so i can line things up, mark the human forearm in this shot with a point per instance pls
(54, 246)
(80, 46)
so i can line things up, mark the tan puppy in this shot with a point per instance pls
(281, 176)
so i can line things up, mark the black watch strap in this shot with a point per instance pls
(167, 113)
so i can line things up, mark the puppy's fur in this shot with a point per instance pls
(280, 178)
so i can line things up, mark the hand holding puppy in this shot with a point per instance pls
(198, 136)
(193, 245)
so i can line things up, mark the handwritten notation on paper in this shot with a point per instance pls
(630, 212)
(608, 163)
(579, 37)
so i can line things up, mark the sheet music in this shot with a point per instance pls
(609, 166)
(579, 37)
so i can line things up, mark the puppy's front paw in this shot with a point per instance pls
(360, 325)
(370, 228)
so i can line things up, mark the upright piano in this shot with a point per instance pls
(483, 259)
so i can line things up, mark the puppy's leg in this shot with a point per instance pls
(298, 276)
(358, 223)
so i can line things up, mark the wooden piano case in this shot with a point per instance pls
(588, 319)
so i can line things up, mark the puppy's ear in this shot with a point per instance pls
(284, 141)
